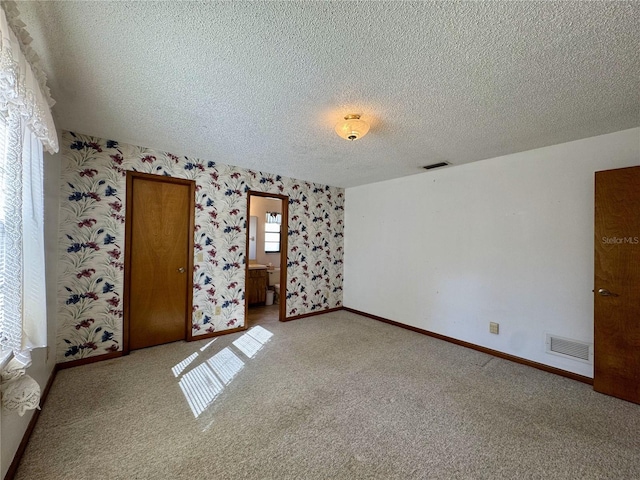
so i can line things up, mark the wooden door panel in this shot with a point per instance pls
(257, 281)
(159, 263)
(617, 270)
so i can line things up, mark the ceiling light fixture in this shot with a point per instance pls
(352, 128)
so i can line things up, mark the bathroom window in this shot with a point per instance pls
(272, 232)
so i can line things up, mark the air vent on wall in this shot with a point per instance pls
(568, 348)
(435, 165)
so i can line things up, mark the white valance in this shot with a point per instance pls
(23, 92)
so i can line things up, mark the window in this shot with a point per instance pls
(22, 289)
(26, 126)
(5, 353)
(3, 142)
(272, 232)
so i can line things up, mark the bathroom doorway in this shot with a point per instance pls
(266, 267)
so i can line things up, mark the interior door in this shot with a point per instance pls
(617, 283)
(159, 248)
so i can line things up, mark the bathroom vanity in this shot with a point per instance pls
(257, 281)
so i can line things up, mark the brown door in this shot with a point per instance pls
(617, 284)
(158, 259)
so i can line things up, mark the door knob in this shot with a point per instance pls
(181, 270)
(606, 293)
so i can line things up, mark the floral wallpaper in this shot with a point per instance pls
(92, 216)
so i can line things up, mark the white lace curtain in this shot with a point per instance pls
(26, 126)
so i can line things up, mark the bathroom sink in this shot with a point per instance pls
(257, 266)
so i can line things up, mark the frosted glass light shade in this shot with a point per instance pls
(352, 128)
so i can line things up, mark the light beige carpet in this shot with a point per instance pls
(333, 396)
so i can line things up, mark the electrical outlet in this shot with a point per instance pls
(218, 310)
(494, 327)
(199, 315)
(200, 257)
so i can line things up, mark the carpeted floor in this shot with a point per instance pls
(332, 396)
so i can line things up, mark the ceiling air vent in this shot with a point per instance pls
(435, 165)
(574, 349)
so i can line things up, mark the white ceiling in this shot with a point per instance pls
(262, 84)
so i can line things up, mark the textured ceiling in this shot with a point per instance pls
(262, 84)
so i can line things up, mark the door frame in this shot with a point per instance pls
(284, 251)
(126, 321)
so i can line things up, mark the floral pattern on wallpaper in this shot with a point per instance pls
(92, 222)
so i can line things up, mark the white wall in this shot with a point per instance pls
(508, 240)
(14, 426)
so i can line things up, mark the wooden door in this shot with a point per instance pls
(159, 259)
(617, 284)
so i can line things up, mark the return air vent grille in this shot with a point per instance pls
(568, 348)
(435, 165)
